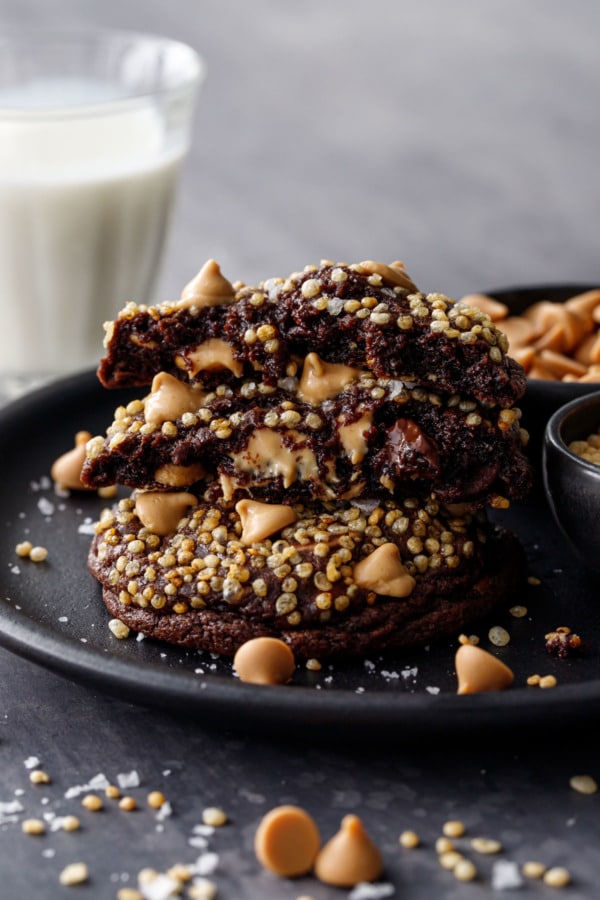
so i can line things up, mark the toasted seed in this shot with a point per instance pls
(75, 873)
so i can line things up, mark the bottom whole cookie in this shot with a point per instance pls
(203, 588)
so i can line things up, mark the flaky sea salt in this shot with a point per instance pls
(366, 891)
(128, 779)
(505, 875)
(98, 783)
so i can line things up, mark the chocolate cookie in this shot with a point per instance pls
(366, 316)
(313, 461)
(374, 438)
(334, 581)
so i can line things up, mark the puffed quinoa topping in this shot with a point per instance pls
(313, 665)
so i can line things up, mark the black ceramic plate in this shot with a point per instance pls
(51, 613)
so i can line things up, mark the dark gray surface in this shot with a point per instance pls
(459, 137)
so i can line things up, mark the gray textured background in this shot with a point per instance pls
(461, 137)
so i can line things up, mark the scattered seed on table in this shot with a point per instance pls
(155, 799)
(584, 784)
(486, 845)
(557, 877)
(38, 554)
(38, 776)
(127, 804)
(74, 873)
(465, 870)
(499, 636)
(409, 839)
(214, 816)
(92, 802)
(33, 826)
(453, 829)
(533, 869)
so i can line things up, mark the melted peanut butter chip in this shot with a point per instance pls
(322, 380)
(179, 476)
(260, 520)
(352, 438)
(350, 857)
(66, 470)
(382, 571)
(264, 660)
(169, 399)
(478, 671)
(210, 356)
(394, 273)
(287, 841)
(160, 511)
(267, 455)
(208, 288)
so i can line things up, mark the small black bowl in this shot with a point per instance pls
(542, 398)
(572, 484)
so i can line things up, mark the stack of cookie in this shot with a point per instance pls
(312, 460)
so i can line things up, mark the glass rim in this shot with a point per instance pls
(192, 76)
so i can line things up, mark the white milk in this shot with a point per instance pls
(84, 205)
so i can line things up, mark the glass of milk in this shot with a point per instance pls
(94, 126)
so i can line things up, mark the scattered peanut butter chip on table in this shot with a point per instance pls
(349, 857)
(478, 671)
(264, 660)
(287, 841)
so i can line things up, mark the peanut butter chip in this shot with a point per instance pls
(169, 399)
(349, 857)
(66, 470)
(382, 571)
(259, 520)
(287, 841)
(264, 660)
(478, 671)
(160, 512)
(322, 380)
(208, 288)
